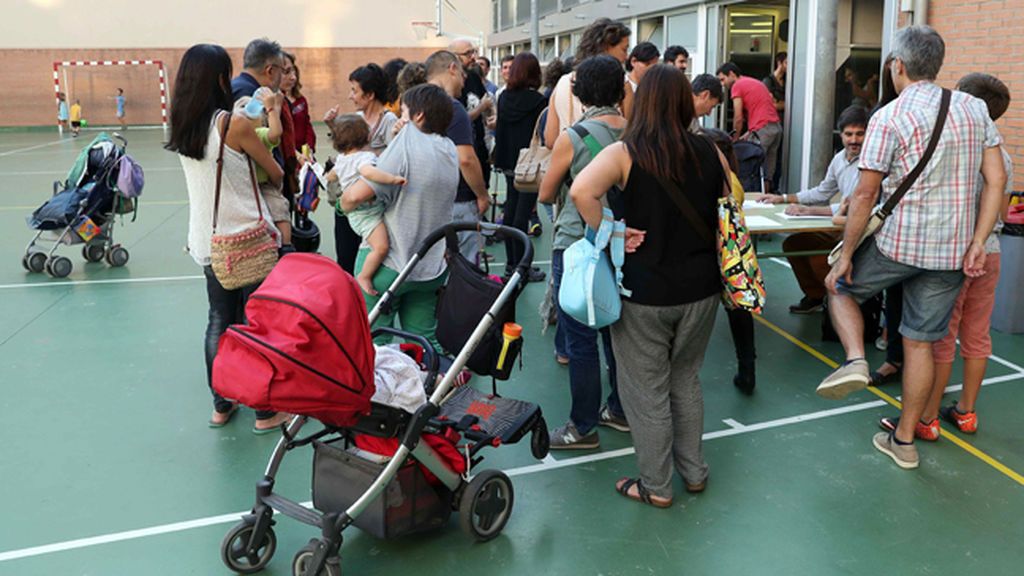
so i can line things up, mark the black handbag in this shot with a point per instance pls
(462, 303)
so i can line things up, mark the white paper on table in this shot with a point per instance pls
(804, 216)
(761, 222)
(750, 204)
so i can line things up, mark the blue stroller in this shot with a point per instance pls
(103, 182)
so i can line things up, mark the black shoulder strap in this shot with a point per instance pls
(940, 123)
(686, 207)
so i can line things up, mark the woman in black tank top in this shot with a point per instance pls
(672, 270)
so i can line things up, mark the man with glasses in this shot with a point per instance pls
(476, 100)
(263, 65)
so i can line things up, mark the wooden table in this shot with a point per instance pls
(769, 219)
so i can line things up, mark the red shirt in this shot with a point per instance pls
(304, 133)
(758, 108)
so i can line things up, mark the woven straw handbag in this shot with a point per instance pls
(247, 257)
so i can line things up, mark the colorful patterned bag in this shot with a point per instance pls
(742, 283)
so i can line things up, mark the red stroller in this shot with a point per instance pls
(308, 350)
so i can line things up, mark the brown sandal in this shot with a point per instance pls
(642, 494)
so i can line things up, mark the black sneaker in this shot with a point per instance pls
(807, 306)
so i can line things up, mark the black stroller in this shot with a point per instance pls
(82, 210)
(750, 156)
(391, 495)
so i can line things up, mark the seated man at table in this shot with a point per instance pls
(841, 179)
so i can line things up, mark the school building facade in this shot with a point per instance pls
(835, 47)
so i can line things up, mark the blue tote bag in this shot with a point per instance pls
(591, 279)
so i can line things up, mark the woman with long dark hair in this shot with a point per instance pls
(291, 86)
(519, 106)
(670, 183)
(199, 118)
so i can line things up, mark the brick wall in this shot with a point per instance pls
(987, 36)
(29, 97)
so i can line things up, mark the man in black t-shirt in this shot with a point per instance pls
(476, 100)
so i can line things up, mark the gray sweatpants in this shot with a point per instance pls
(660, 350)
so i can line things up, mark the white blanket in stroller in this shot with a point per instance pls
(398, 379)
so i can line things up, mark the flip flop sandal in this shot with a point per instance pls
(227, 417)
(643, 495)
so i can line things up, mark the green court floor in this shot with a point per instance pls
(107, 466)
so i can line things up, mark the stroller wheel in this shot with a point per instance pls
(117, 256)
(237, 554)
(540, 440)
(59, 266)
(486, 504)
(93, 252)
(305, 556)
(34, 262)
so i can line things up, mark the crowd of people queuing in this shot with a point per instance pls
(624, 128)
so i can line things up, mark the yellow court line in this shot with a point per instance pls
(969, 448)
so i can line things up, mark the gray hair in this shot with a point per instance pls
(921, 50)
(259, 51)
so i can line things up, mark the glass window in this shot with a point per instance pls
(495, 16)
(569, 3)
(547, 49)
(545, 7)
(652, 30)
(522, 11)
(508, 13)
(682, 31)
(564, 46)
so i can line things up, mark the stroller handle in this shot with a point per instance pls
(497, 230)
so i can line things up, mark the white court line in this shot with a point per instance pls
(781, 262)
(88, 282)
(134, 280)
(520, 471)
(59, 172)
(733, 424)
(19, 150)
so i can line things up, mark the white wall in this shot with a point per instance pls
(181, 23)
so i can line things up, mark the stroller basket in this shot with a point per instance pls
(408, 504)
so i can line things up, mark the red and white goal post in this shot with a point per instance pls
(71, 63)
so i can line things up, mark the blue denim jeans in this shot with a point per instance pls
(227, 307)
(585, 364)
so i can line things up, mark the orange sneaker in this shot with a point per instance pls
(966, 423)
(929, 432)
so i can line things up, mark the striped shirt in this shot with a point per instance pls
(933, 225)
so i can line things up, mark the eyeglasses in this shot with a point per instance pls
(468, 53)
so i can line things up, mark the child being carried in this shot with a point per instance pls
(264, 111)
(351, 135)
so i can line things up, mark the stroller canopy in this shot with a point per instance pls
(307, 347)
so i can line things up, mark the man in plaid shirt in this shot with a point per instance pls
(934, 236)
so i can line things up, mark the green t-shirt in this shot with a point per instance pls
(264, 135)
(569, 225)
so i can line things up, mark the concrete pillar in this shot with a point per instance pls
(812, 64)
